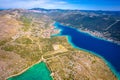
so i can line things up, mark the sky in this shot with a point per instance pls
(113, 5)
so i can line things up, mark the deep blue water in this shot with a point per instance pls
(108, 51)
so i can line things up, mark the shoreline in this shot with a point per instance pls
(95, 54)
(117, 74)
(30, 67)
(88, 33)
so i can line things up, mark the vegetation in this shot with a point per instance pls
(91, 21)
(24, 40)
(32, 42)
(8, 48)
(2, 42)
(26, 23)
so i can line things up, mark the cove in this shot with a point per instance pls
(108, 51)
(38, 71)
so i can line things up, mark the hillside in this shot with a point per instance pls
(25, 38)
(93, 22)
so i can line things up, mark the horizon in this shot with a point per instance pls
(108, 5)
(59, 9)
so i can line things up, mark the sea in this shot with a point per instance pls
(108, 51)
(38, 71)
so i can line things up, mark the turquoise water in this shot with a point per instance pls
(38, 71)
(108, 51)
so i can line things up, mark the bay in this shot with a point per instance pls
(38, 71)
(106, 50)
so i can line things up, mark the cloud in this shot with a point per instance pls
(62, 4)
(34, 3)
